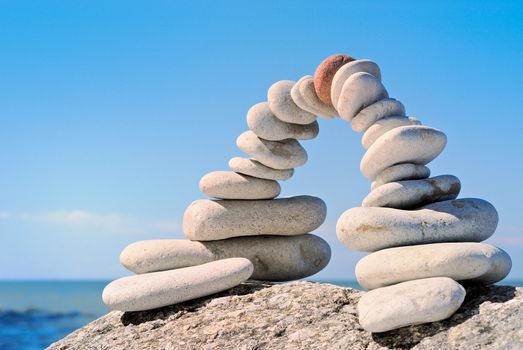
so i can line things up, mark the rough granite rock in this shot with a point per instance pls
(301, 315)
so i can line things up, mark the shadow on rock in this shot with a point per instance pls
(178, 310)
(408, 337)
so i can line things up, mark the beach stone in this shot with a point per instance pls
(416, 144)
(470, 262)
(388, 107)
(370, 229)
(157, 289)
(231, 185)
(399, 172)
(275, 258)
(283, 107)
(325, 73)
(382, 126)
(358, 92)
(284, 154)
(414, 193)
(210, 220)
(308, 92)
(410, 303)
(349, 69)
(254, 168)
(265, 125)
(299, 99)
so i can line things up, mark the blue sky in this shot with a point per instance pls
(111, 111)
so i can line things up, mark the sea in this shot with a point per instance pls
(34, 314)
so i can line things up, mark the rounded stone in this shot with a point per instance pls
(470, 262)
(283, 107)
(416, 144)
(209, 220)
(414, 193)
(231, 185)
(265, 125)
(399, 172)
(382, 126)
(275, 258)
(370, 229)
(299, 99)
(308, 92)
(410, 303)
(325, 73)
(254, 168)
(349, 69)
(358, 92)
(158, 289)
(284, 154)
(388, 107)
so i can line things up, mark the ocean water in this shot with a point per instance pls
(35, 314)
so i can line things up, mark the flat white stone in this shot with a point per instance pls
(372, 228)
(265, 125)
(349, 69)
(275, 258)
(388, 107)
(208, 220)
(283, 107)
(298, 98)
(399, 172)
(416, 144)
(157, 289)
(308, 92)
(382, 126)
(410, 303)
(473, 262)
(410, 194)
(285, 154)
(254, 168)
(231, 185)
(360, 90)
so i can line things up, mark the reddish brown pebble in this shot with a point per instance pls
(324, 74)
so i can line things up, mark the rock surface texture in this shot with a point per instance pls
(301, 316)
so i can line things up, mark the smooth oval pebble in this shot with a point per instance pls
(382, 126)
(399, 172)
(309, 94)
(265, 125)
(473, 262)
(299, 99)
(414, 193)
(275, 258)
(208, 220)
(388, 107)
(285, 154)
(410, 303)
(325, 73)
(231, 185)
(349, 69)
(157, 289)
(416, 144)
(283, 107)
(254, 168)
(372, 228)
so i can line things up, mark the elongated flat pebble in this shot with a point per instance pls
(254, 168)
(298, 98)
(358, 92)
(399, 172)
(285, 154)
(414, 193)
(372, 228)
(275, 258)
(416, 144)
(382, 126)
(410, 303)
(208, 220)
(349, 69)
(265, 125)
(231, 185)
(388, 107)
(283, 107)
(158, 289)
(308, 92)
(325, 73)
(473, 262)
